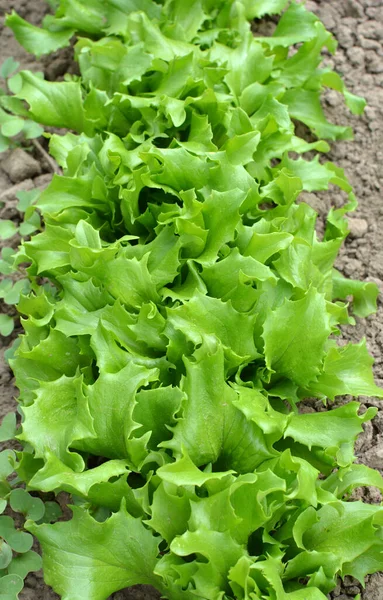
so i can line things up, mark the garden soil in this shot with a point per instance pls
(358, 26)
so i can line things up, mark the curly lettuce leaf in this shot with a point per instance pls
(85, 558)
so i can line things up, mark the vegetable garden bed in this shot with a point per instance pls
(194, 265)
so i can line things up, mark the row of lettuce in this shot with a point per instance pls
(182, 304)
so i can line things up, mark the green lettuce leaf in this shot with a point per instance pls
(36, 40)
(295, 335)
(83, 557)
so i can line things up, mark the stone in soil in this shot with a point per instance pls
(358, 227)
(20, 165)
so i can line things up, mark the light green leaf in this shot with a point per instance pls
(117, 390)
(210, 428)
(7, 325)
(8, 427)
(12, 126)
(348, 532)
(295, 335)
(54, 355)
(170, 511)
(346, 370)
(4, 143)
(155, 410)
(345, 480)
(262, 246)
(92, 560)
(364, 293)
(201, 428)
(259, 8)
(56, 476)
(304, 105)
(30, 507)
(204, 316)
(328, 429)
(221, 215)
(241, 148)
(10, 586)
(297, 25)
(7, 229)
(219, 549)
(76, 15)
(18, 540)
(35, 40)
(7, 259)
(7, 463)
(31, 223)
(229, 279)
(9, 66)
(51, 103)
(187, 20)
(59, 416)
(5, 555)
(333, 80)
(183, 472)
(32, 130)
(26, 199)
(249, 52)
(127, 279)
(25, 563)
(12, 295)
(52, 512)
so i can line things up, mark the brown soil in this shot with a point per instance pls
(358, 26)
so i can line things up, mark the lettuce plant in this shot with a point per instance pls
(189, 306)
